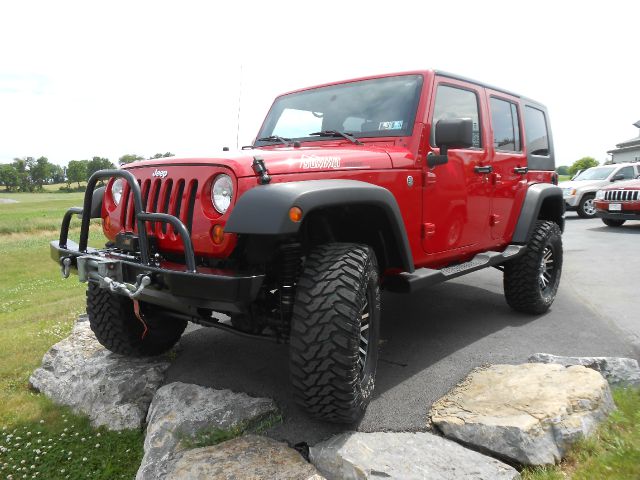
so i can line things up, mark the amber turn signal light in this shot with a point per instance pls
(217, 234)
(295, 214)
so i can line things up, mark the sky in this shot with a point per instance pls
(83, 79)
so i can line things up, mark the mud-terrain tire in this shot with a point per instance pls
(586, 207)
(613, 222)
(117, 328)
(531, 280)
(335, 330)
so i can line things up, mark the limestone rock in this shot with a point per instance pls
(527, 413)
(113, 390)
(180, 411)
(248, 458)
(359, 456)
(619, 371)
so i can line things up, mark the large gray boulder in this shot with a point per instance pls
(619, 371)
(359, 456)
(180, 411)
(528, 413)
(113, 390)
(248, 458)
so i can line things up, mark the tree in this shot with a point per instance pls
(128, 158)
(9, 177)
(98, 163)
(77, 171)
(57, 174)
(562, 170)
(23, 167)
(582, 164)
(164, 155)
(41, 172)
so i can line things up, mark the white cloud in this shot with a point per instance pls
(79, 79)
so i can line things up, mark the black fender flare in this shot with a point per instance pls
(264, 209)
(96, 202)
(539, 195)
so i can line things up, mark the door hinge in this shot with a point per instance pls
(494, 220)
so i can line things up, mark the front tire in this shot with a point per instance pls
(531, 281)
(612, 222)
(587, 207)
(114, 322)
(335, 332)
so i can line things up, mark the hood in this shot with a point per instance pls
(286, 160)
(583, 184)
(624, 185)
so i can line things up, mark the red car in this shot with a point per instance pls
(618, 203)
(394, 182)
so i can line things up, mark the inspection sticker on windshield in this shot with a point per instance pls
(395, 125)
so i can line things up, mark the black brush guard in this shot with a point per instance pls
(182, 289)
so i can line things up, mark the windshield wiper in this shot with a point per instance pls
(336, 133)
(275, 138)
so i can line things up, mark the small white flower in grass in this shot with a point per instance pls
(97, 445)
(28, 433)
(98, 434)
(28, 444)
(62, 470)
(82, 439)
(66, 430)
(41, 421)
(84, 459)
(22, 462)
(63, 435)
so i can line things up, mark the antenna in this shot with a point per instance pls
(239, 104)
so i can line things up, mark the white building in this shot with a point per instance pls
(627, 151)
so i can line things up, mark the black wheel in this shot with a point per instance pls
(531, 280)
(587, 207)
(335, 330)
(612, 222)
(117, 328)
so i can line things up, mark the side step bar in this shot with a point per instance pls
(425, 277)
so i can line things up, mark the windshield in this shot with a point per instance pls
(383, 107)
(595, 173)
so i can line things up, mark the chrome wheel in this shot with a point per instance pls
(589, 208)
(547, 269)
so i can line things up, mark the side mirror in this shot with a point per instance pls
(451, 133)
(617, 177)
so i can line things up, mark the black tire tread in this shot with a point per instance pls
(325, 332)
(116, 327)
(521, 274)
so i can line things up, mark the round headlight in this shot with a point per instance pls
(222, 193)
(116, 190)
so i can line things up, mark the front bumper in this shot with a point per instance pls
(618, 216)
(571, 202)
(188, 288)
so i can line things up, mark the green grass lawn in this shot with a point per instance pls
(37, 309)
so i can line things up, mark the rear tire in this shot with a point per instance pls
(531, 281)
(612, 222)
(117, 328)
(335, 332)
(586, 207)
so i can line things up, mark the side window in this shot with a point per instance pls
(536, 128)
(505, 123)
(627, 172)
(454, 102)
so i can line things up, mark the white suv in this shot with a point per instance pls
(580, 192)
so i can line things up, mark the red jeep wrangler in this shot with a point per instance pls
(394, 182)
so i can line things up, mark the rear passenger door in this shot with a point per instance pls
(508, 179)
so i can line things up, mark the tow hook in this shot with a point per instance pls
(65, 267)
(131, 291)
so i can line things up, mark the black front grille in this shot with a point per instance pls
(175, 197)
(622, 195)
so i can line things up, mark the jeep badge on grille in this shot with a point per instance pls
(159, 173)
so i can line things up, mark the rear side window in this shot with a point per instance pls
(627, 172)
(537, 133)
(505, 123)
(454, 102)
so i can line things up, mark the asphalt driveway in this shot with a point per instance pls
(432, 340)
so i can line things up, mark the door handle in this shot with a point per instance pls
(521, 170)
(483, 170)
